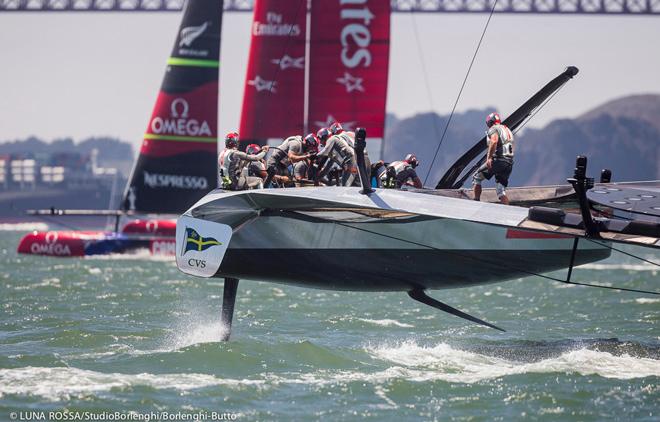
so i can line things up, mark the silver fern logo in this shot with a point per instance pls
(189, 34)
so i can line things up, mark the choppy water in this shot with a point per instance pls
(128, 334)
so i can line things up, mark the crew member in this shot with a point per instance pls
(339, 148)
(292, 150)
(401, 173)
(377, 170)
(231, 163)
(256, 168)
(323, 135)
(499, 158)
(332, 174)
(303, 170)
(349, 137)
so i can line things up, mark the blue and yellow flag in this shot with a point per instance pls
(195, 242)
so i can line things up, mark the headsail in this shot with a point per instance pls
(273, 103)
(349, 58)
(177, 161)
(453, 179)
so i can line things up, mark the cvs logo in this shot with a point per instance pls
(199, 263)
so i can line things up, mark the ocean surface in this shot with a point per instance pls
(133, 334)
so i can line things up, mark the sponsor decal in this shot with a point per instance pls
(351, 83)
(179, 181)
(187, 37)
(263, 85)
(275, 27)
(163, 247)
(179, 108)
(131, 197)
(195, 242)
(355, 35)
(287, 62)
(200, 245)
(355, 39)
(178, 123)
(523, 234)
(348, 126)
(51, 246)
(348, 62)
(151, 226)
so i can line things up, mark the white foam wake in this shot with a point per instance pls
(446, 363)
(628, 267)
(194, 324)
(386, 322)
(136, 255)
(23, 227)
(61, 383)
(196, 334)
(646, 300)
(408, 361)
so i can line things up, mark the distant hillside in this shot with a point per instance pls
(111, 152)
(630, 148)
(622, 135)
(420, 135)
(636, 107)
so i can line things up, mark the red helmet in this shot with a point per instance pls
(253, 149)
(231, 140)
(311, 143)
(323, 134)
(336, 128)
(412, 160)
(493, 119)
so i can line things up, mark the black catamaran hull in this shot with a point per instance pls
(396, 269)
(335, 238)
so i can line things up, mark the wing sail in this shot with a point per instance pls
(349, 58)
(177, 161)
(273, 103)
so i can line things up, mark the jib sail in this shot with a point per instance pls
(178, 157)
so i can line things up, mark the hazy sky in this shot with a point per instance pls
(87, 74)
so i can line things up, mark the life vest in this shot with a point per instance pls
(225, 164)
(504, 148)
(390, 177)
(348, 139)
(281, 153)
(344, 147)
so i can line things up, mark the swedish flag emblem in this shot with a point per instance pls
(195, 242)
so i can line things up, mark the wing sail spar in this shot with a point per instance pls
(455, 176)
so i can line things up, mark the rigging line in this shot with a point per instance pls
(600, 286)
(623, 252)
(427, 85)
(497, 264)
(458, 97)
